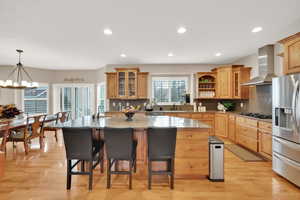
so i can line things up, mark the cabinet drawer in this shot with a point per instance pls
(247, 142)
(266, 126)
(191, 134)
(240, 120)
(231, 117)
(184, 115)
(251, 122)
(208, 116)
(248, 132)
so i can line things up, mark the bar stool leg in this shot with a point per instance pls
(69, 176)
(172, 175)
(108, 174)
(91, 175)
(149, 174)
(130, 174)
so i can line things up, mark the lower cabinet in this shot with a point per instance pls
(246, 133)
(221, 125)
(265, 139)
(231, 127)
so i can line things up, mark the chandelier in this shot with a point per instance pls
(18, 78)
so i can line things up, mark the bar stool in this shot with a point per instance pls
(161, 147)
(80, 146)
(120, 146)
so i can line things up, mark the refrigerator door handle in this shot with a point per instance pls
(294, 104)
(288, 144)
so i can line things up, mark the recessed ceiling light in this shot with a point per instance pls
(170, 54)
(257, 29)
(181, 30)
(107, 31)
(218, 54)
(123, 55)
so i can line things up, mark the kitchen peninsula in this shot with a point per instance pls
(191, 145)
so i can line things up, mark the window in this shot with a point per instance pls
(169, 90)
(36, 100)
(101, 98)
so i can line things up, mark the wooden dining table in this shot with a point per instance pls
(15, 124)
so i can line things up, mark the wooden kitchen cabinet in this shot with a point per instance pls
(127, 83)
(111, 85)
(247, 133)
(142, 84)
(224, 82)
(231, 127)
(240, 75)
(221, 124)
(265, 139)
(291, 63)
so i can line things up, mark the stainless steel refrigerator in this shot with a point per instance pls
(286, 127)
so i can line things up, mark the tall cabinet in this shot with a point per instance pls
(127, 83)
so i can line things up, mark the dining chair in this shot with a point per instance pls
(4, 132)
(120, 146)
(161, 147)
(80, 146)
(33, 129)
(60, 117)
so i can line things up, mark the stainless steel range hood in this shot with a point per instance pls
(265, 67)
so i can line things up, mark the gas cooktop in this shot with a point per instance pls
(257, 115)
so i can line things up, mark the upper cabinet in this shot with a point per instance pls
(291, 54)
(127, 83)
(224, 82)
(206, 85)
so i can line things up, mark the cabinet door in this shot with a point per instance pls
(292, 56)
(236, 76)
(221, 124)
(224, 83)
(111, 85)
(142, 85)
(210, 123)
(122, 84)
(231, 127)
(265, 143)
(131, 88)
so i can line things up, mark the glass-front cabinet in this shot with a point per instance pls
(127, 82)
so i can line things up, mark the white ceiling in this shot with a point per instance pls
(68, 34)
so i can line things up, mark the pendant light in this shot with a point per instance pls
(18, 78)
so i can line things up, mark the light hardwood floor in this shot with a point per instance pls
(42, 175)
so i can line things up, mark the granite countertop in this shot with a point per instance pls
(139, 122)
(191, 111)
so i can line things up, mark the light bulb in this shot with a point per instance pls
(16, 84)
(24, 83)
(1, 83)
(9, 83)
(35, 84)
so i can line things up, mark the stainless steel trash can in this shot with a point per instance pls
(216, 159)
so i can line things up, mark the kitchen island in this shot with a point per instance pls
(191, 157)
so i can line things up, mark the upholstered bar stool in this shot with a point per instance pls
(80, 146)
(120, 146)
(161, 147)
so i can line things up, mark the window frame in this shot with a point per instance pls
(169, 78)
(48, 97)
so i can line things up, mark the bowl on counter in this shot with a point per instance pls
(129, 115)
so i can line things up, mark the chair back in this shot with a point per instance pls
(161, 143)
(4, 128)
(63, 116)
(78, 143)
(119, 143)
(37, 125)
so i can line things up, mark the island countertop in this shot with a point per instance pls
(139, 122)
